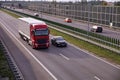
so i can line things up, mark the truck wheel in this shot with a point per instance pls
(33, 46)
(29, 42)
(21, 36)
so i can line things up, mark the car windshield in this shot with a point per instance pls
(59, 38)
(41, 32)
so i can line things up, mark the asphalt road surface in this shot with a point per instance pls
(55, 63)
(106, 31)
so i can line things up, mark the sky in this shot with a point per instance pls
(64, 0)
(75, 0)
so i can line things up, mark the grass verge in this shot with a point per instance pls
(10, 13)
(99, 51)
(5, 70)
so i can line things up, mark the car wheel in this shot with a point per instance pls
(56, 44)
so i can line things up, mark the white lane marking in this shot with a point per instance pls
(64, 57)
(97, 78)
(40, 63)
(85, 51)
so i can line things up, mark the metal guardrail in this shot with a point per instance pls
(88, 40)
(14, 68)
(104, 40)
(99, 40)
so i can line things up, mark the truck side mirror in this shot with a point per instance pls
(33, 33)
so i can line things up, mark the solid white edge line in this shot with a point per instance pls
(30, 53)
(85, 51)
(64, 57)
(20, 73)
(96, 78)
(69, 44)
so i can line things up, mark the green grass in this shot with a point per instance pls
(4, 67)
(10, 13)
(101, 37)
(99, 51)
(5, 70)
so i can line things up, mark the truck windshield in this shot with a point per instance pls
(41, 32)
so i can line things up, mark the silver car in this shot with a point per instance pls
(96, 29)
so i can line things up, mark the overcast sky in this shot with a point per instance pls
(87, 0)
(75, 0)
(63, 0)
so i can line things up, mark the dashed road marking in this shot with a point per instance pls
(85, 51)
(64, 57)
(97, 78)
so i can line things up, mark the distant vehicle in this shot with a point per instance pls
(96, 29)
(58, 41)
(36, 14)
(68, 20)
(35, 32)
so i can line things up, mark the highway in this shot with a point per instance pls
(106, 31)
(55, 63)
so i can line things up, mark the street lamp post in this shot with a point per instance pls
(111, 16)
(88, 6)
(41, 8)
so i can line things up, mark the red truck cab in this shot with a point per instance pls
(68, 20)
(35, 32)
(39, 36)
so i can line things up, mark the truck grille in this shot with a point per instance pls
(41, 41)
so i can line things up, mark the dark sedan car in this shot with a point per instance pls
(58, 41)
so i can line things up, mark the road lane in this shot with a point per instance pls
(30, 69)
(20, 59)
(81, 66)
(106, 31)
